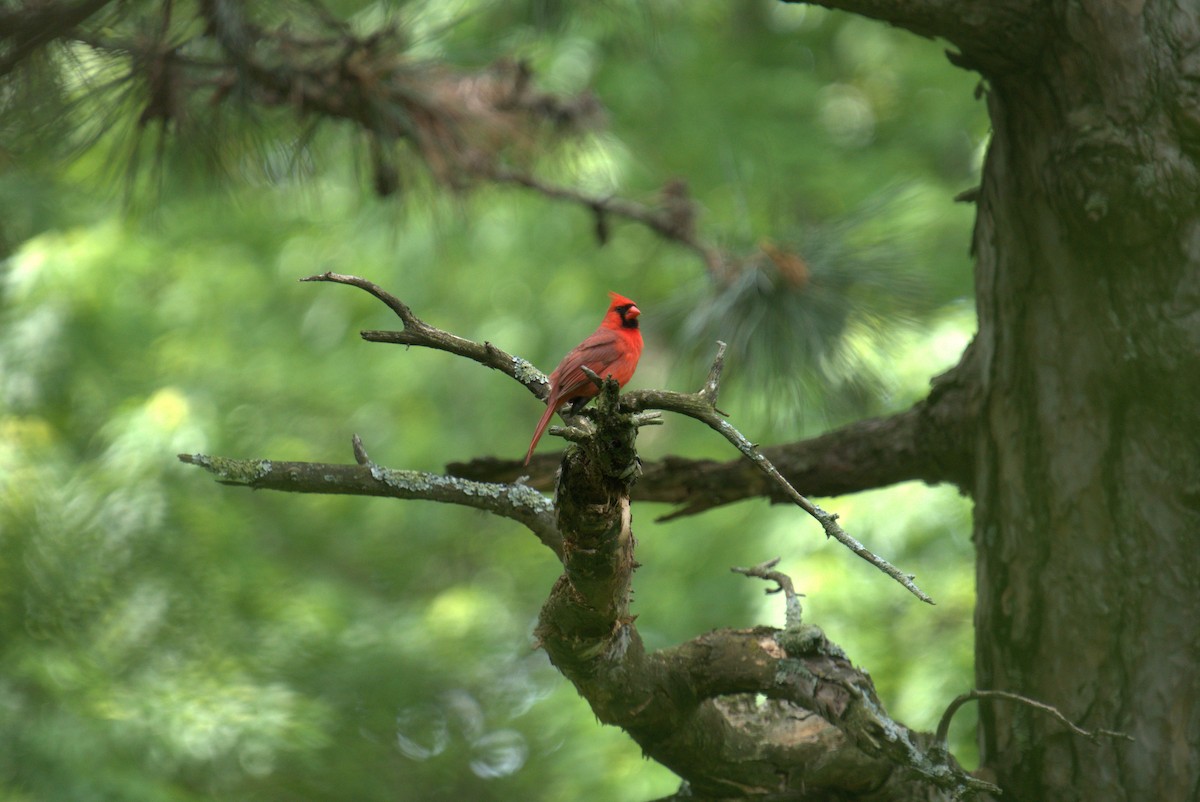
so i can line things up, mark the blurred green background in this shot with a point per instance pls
(167, 638)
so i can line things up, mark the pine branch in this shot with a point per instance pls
(674, 220)
(32, 25)
(993, 35)
(464, 126)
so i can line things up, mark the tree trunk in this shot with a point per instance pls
(1087, 480)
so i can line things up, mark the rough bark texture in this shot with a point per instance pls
(1087, 477)
(821, 732)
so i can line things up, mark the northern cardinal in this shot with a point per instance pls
(612, 351)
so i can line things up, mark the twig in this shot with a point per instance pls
(763, 570)
(783, 583)
(700, 406)
(360, 453)
(674, 221)
(943, 729)
(418, 332)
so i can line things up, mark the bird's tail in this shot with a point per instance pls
(541, 427)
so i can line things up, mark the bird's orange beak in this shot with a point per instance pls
(632, 313)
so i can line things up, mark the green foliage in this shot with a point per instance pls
(166, 638)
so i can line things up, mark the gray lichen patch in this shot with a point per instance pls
(525, 496)
(410, 481)
(428, 485)
(234, 471)
(526, 373)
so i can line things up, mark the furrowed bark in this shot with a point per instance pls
(1087, 471)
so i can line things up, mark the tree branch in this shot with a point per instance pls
(464, 126)
(823, 731)
(674, 220)
(993, 35)
(34, 25)
(929, 442)
(438, 129)
(418, 332)
(819, 678)
(701, 406)
(517, 502)
(943, 730)
(589, 634)
(793, 612)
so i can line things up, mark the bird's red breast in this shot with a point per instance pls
(612, 350)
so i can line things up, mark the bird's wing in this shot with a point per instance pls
(598, 352)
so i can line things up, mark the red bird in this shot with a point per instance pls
(612, 351)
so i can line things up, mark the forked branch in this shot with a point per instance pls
(700, 405)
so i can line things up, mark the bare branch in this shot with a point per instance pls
(517, 502)
(418, 332)
(675, 220)
(943, 730)
(783, 583)
(692, 707)
(699, 407)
